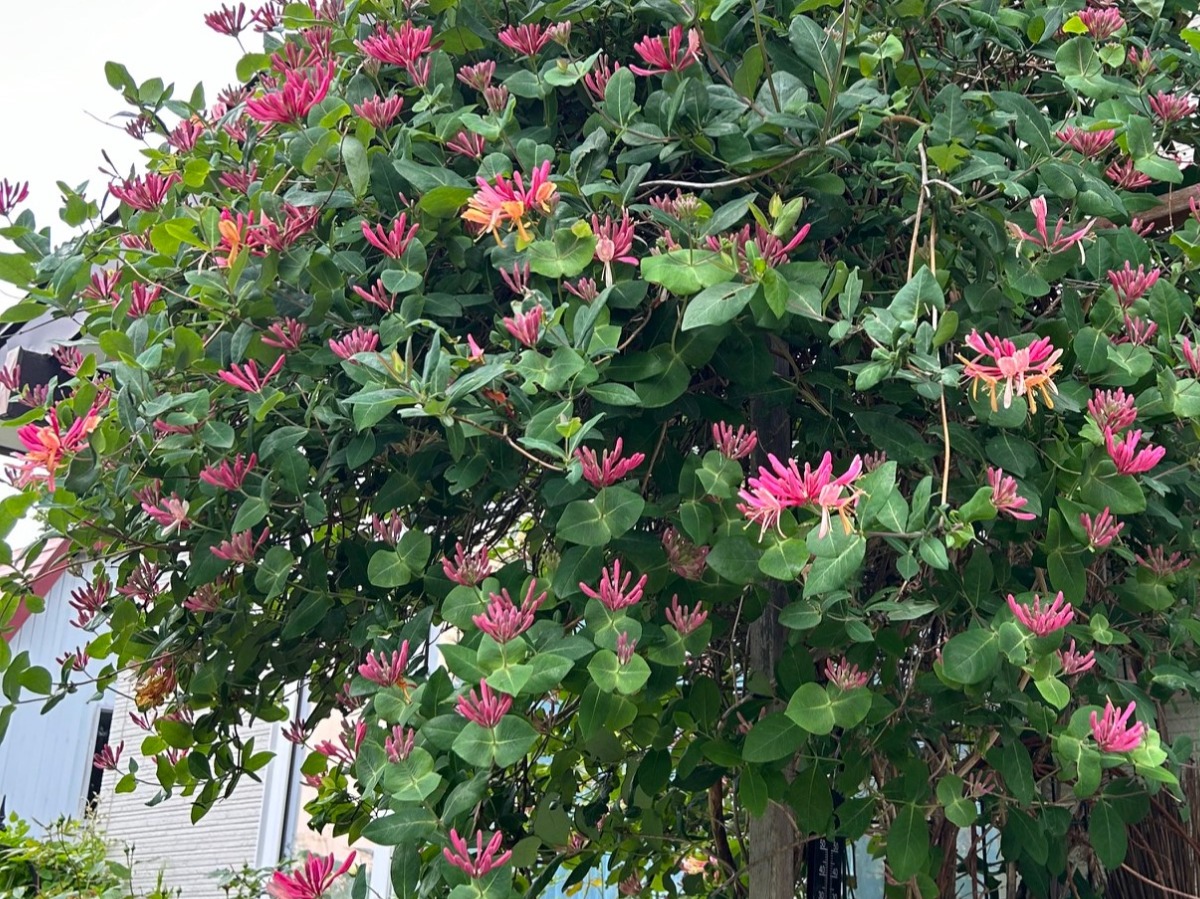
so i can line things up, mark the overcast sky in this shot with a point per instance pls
(55, 104)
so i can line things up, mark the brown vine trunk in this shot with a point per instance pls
(773, 838)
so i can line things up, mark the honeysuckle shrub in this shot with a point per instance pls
(779, 410)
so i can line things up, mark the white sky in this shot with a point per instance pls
(55, 103)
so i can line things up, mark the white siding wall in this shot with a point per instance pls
(163, 836)
(46, 760)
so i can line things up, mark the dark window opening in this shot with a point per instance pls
(103, 729)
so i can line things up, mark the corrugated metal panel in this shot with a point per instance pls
(46, 760)
(163, 836)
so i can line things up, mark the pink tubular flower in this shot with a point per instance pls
(770, 249)
(842, 674)
(1041, 238)
(69, 357)
(285, 334)
(610, 468)
(1005, 497)
(516, 278)
(1138, 331)
(468, 570)
(47, 445)
(784, 486)
(684, 558)
(733, 444)
(467, 144)
(399, 744)
(478, 76)
(1086, 143)
(205, 598)
(683, 619)
(1101, 530)
(301, 91)
(614, 593)
(228, 20)
(1101, 22)
(392, 243)
(241, 547)
(495, 96)
(1112, 410)
(103, 285)
(185, 135)
(1171, 107)
(1075, 662)
(625, 648)
(1131, 285)
(360, 340)
(378, 296)
(1123, 174)
(246, 376)
(145, 193)
(614, 242)
(486, 709)
(11, 195)
(107, 759)
(268, 235)
(1191, 356)
(1159, 563)
(268, 16)
(229, 476)
(504, 620)
(387, 671)
(528, 40)
(311, 881)
(398, 48)
(1026, 372)
(1043, 620)
(380, 113)
(585, 289)
(525, 326)
(345, 751)
(142, 297)
(509, 202)
(1127, 457)
(487, 858)
(667, 54)
(474, 350)
(170, 513)
(1112, 731)
(597, 79)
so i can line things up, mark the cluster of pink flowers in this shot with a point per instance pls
(103, 285)
(485, 709)
(311, 881)
(467, 144)
(487, 858)
(1158, 562)
(614, 593)
(1130, 284)
(345, 751)
(1075, 662)
(1021, 372)
(1041, 237)
(285, 334)
(11, 194)
(247, 378)
(614, 242)
(379, 112)
(610, 468)
(468, 569)
(784, 487)
(399, 743)
(526, 327)
(108, 759)
(378, 296)
(386, 670)
(516, 278)
(146, 192)
(528, 39)
(733, 444)
(394, 242)
(88, 601)
(290, 104)
(626, 647)
(360, 340)
(510, 202)
(683, 619)
(1043, 619)
(597, 79)
(1112, 410)
(770, 249)
(402, 48)
(684, 558)
(1101, 530)
(1005, 497)
(842, 674)
(170, 513)
(1124, 174)
(142, 297)
(1126, 455)
(1113, 732)
(1171, 108)
(1101, 22)
(46, 446)
(663, 55)
(229, 475)
(504, 620)
(1087, 143)
(241, 547)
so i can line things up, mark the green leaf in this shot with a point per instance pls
(15, 268)
(815, 47)
(411, 779)
(811, 709)
(832, 572)
(444, 202)
(908, 843)
(1121, 493)
(618, 96)
(413, 826)
(425, 178)
(850, 707)
(387, 570)
(717, 304)
(1107, 834)
(596, 522)
(685, 272)
(972, 656)
(784, 560)
(735, 558)
(504, 744)
(1053, 691)
(358, 169)
(774, 737)
(752, 790)
(273, 571)
(566, 255)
